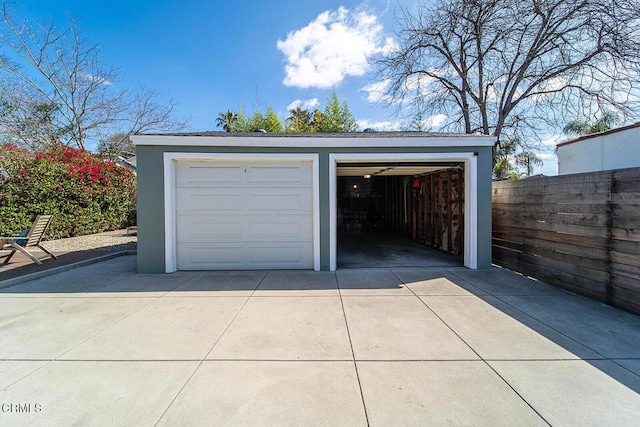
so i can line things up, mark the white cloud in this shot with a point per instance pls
(553, 140)
(333, 46)
(415, 85)
(431, 123)
(435, 121)
(376, 92)
(547, 88)
(419, 82)
(382, 126)
(95, 78)
(547, 156)
(306, 104)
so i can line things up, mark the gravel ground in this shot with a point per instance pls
(117, 240)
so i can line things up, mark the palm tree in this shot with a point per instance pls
(528, 161)
(227, 121)
(583, 127)
(509, 160)
(299, 120)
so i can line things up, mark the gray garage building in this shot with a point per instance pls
(215, 201)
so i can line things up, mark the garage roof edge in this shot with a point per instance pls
(374, 139)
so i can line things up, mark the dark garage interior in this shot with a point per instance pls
(400, 214)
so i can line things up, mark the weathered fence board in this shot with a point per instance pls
(622, 198)
(529, 266)
(514, 232)
(625, 299)
(597, 251)
(631, 248)
(541, 247)
(580, 232)
(586, 219)
(552, 180)
(632, 235)
(578, 198)
(626, 276)
(564, 227)
(552, 208)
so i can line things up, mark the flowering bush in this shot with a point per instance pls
(85, 193)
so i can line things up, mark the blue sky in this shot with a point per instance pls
(211, 56)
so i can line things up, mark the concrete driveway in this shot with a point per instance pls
(101, 345)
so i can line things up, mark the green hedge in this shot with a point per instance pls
(85, 193)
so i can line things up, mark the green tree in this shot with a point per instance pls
(30, 122)
(337, 117)
(227, 121)
(583, 127)
(239, 122)
(317, 119)
(256, 121)
(243, 124)
(117, 147)
(513, 162)
(271, 121)
(299, 120)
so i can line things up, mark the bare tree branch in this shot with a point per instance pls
(59, 68)
(512, 68)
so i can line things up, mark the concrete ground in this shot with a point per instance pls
(101, 345)
(69, 251)
(375, 249)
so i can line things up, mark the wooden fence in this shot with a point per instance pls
(579, 232)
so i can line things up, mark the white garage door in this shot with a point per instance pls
(244, 215)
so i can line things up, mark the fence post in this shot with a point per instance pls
(610, 207)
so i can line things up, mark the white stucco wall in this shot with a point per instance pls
(611, 150)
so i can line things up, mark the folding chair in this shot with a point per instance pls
(29, 239)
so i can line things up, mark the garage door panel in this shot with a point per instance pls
(279, 175)
(210, 200)
(208, 256)
(206, 173)
(245, 228)
(225, 174)
(287, 256)
(208, 229)
(205, 256)
(290, 227)
(294, 200)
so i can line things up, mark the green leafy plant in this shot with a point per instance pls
(86, 193)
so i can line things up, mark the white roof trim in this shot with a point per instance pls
(311, 142)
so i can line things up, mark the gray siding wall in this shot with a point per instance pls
(151, 236)
(485, 169)
(150, 205)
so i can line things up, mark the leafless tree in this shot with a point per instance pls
(143, 111)
(27, 118)
(58, 68)
(515, 68)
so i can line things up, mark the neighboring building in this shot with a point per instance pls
(614, 149)
(220, 200)
(126, 162)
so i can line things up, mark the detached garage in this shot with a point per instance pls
(224, 201)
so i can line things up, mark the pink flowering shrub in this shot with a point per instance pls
(85, 193)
